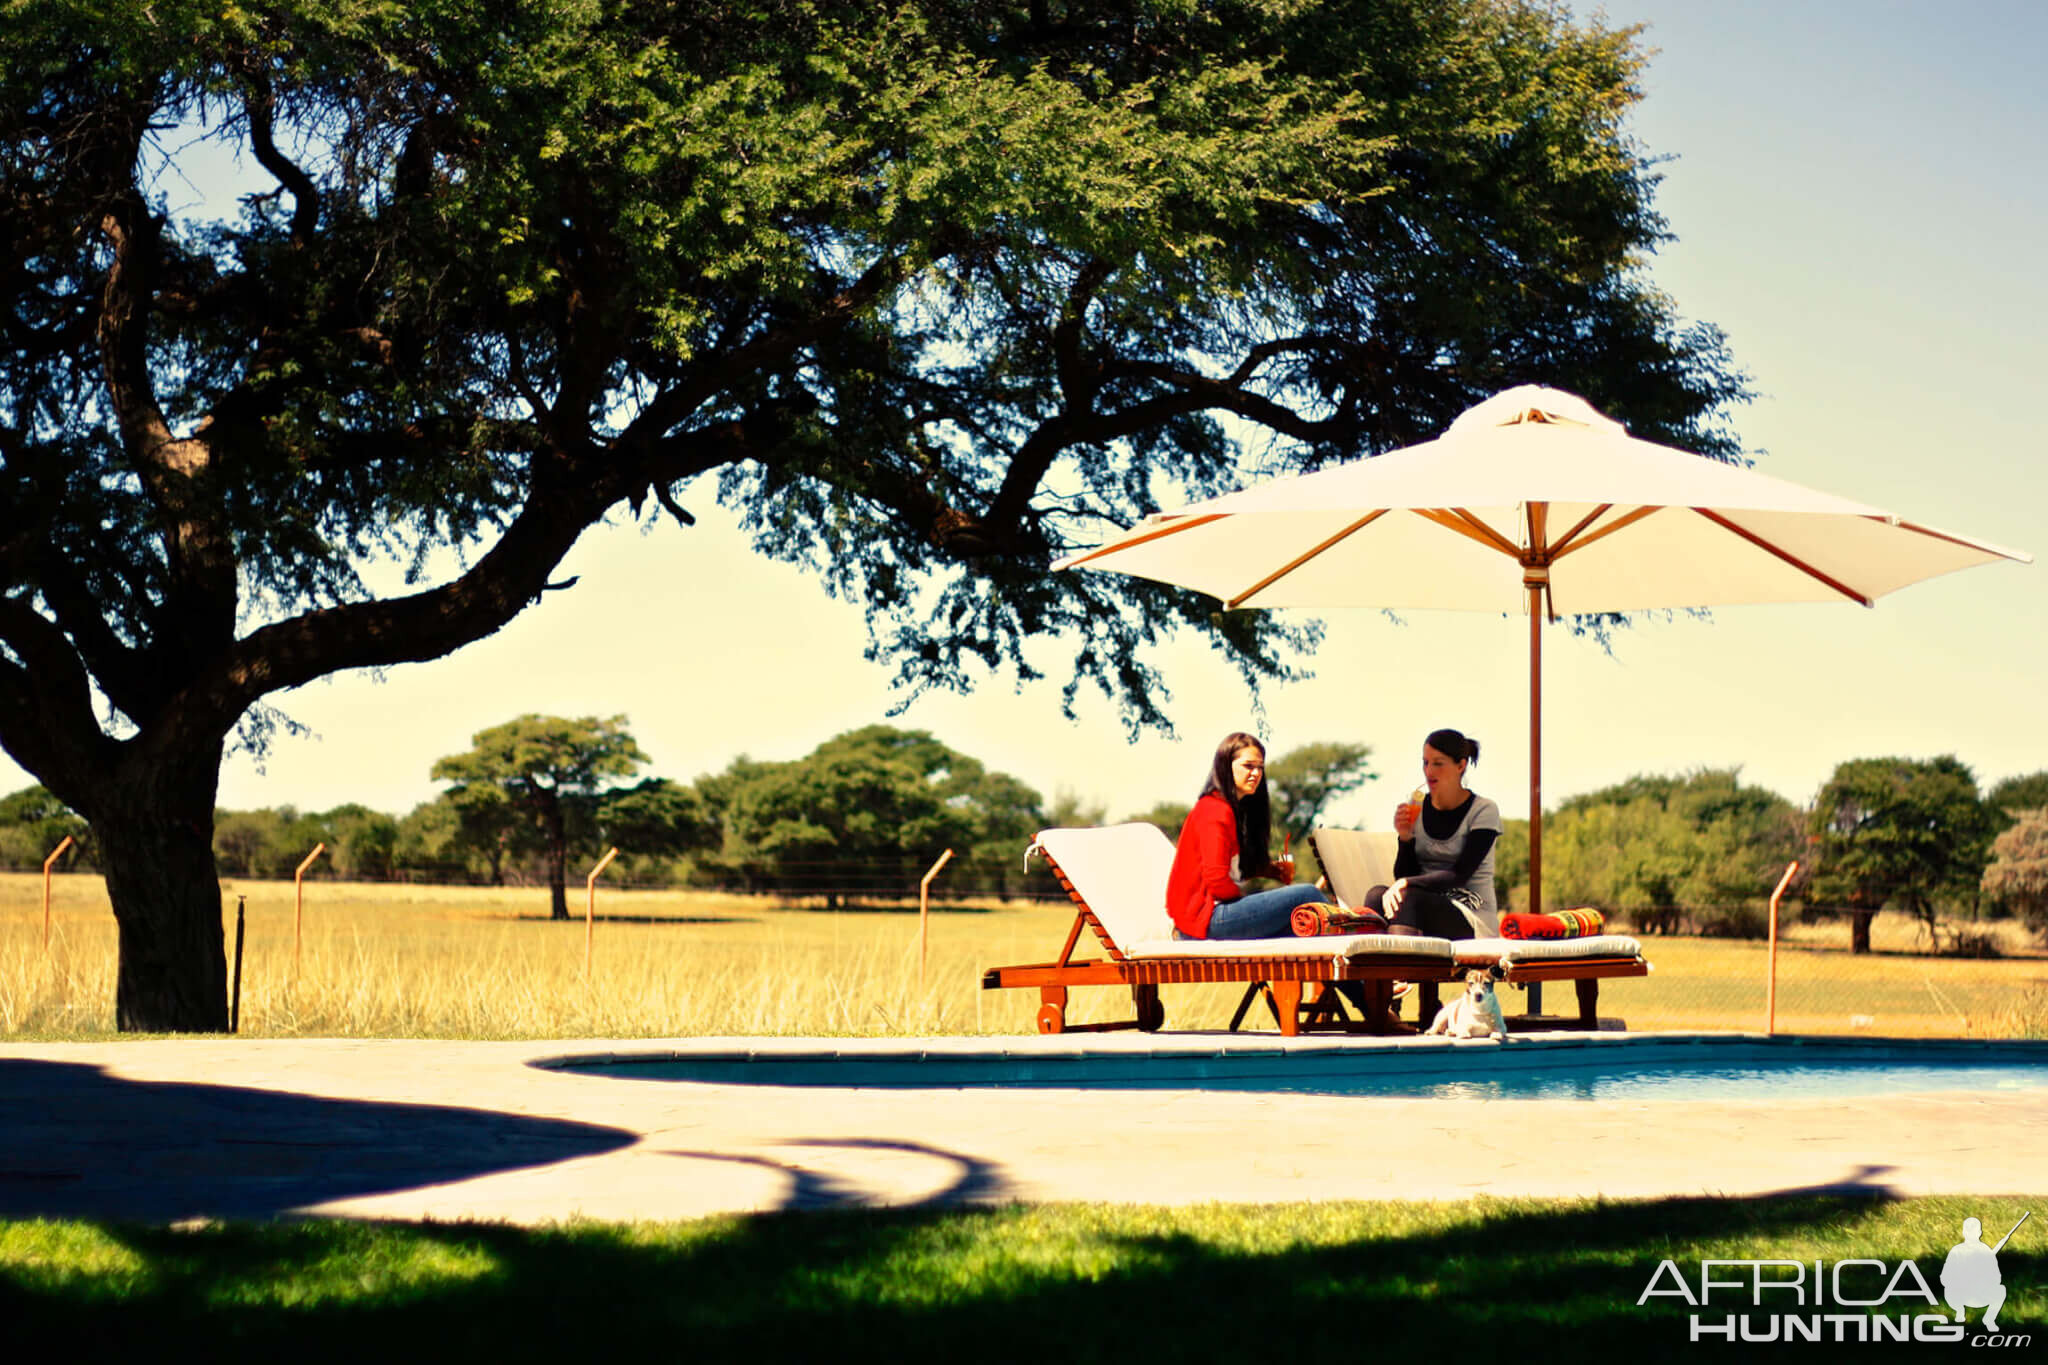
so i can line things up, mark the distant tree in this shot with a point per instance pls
(431, 844)
(871, 809)
(1070, 811)
(2017, 878)
(249, 843)
(657, 817)
(1168, 815)
(1658, 845)
(33, 823)
(1305, 781)
(361, 843)
(2016, 794)
(542, 766)
(1898, 831)
(1511, 861)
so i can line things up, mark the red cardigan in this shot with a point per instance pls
(1201, 866)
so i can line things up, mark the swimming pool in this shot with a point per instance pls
(1720, 1067)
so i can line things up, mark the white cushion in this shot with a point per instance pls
(1355, 861)
(1483, 950)
(1334, 946)
(1121, 871)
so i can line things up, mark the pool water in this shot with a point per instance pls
(1711, 1068)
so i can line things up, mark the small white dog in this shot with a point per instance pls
(1476, 1013)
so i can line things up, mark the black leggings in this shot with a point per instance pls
(1423, 912)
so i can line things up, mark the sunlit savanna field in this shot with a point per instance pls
(478, 962)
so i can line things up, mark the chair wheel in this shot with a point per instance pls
(1051, 1019)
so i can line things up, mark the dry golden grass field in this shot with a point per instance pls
(460, 962)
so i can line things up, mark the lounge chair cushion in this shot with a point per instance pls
(1320, 947)
(1479, 951)
(1355, 861)
(1121, 871)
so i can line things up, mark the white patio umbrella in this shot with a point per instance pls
(1533, 501)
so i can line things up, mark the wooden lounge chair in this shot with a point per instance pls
(1116, 877)
(1355, 861)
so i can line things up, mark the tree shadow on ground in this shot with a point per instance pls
(1531, 1283)
(76, 1142)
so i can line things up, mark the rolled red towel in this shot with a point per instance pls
(1560, 924)
(1310, 920)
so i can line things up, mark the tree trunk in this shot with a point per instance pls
(558, 859)
(1859, 930)
(155, 833)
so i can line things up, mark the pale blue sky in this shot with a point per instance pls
(1858, 190)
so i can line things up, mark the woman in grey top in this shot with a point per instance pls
(1444, 871)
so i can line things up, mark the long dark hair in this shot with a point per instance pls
(1254, 813)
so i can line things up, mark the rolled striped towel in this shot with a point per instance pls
(1579, 923)
(1310, 920)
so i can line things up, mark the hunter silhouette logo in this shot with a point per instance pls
(1970, 1278)
(1856, 1299)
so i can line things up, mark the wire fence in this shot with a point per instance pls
(1713, 967)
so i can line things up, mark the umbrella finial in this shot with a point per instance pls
(1538, 405)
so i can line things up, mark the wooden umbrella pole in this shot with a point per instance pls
(1535, 751)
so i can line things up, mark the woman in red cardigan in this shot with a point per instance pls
(1226, 841)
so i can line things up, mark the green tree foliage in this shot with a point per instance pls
(929, 291)
(2017, 879)
(1899, 832)
(871, 810)
(361, 844)
(1167, 815)
(2016, 794)
(33, 824)
(653, 824)
(1303, 782)
(1069, 810)
(432, 844)
(1665, 849)
(550, 771)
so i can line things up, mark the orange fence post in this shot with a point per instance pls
(924, 912)
(299, 896)
(54, 853)
(1771, 985)
(590, 905)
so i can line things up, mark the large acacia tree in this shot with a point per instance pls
(928, 291)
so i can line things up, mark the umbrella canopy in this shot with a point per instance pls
(1534, 501)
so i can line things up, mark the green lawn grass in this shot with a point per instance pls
(1527, 1280)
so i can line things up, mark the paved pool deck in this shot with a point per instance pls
(167, 1130)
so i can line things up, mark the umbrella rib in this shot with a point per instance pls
(1186, 525)
(1565, 541)
(1567, 545)
(1368, 519)
(1964, 541)
(1465, 524)
(1787, 556)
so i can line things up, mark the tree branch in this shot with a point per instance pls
(46, 706)
(260, 103)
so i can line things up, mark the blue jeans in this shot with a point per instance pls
(1270, 914)
(1262, 914)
